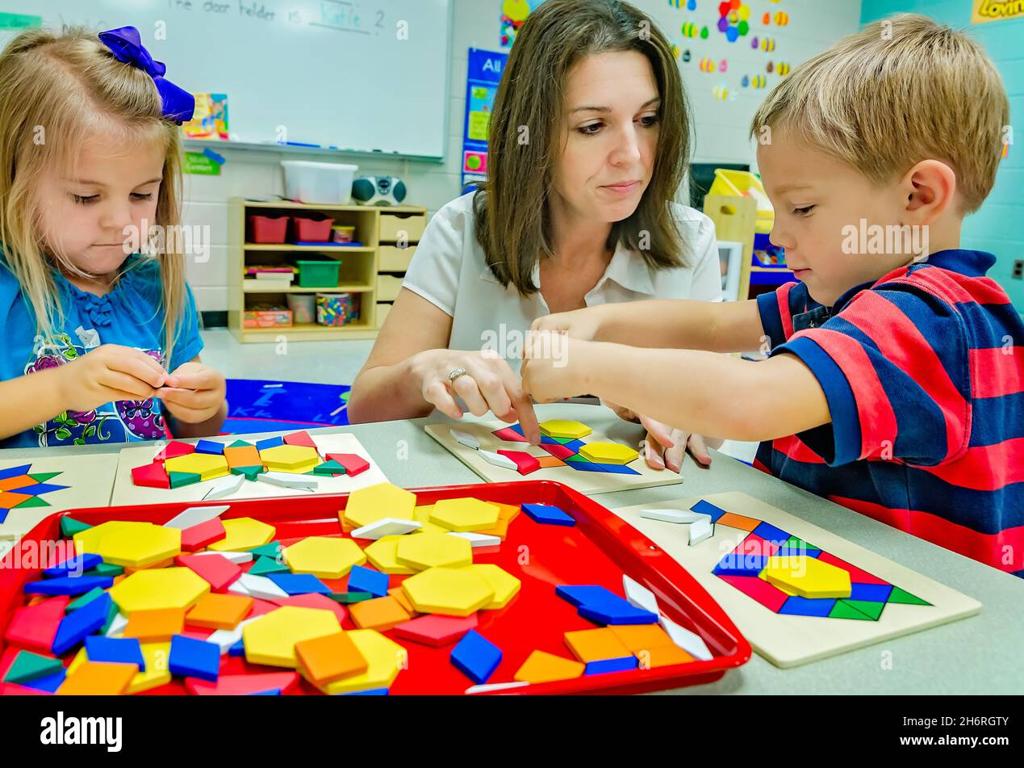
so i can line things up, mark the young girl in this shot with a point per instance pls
(100, 342)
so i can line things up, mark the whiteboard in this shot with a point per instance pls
(359, 75)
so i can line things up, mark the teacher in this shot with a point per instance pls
(588, 146)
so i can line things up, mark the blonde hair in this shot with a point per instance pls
(901, 90)
(55, 90)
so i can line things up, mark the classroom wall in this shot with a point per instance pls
(720, 126)
(996, 227)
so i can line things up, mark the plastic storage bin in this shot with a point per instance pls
(267, 229)
(318, 274)
(745, 184)
(329, 183)
(303, 307)
(336, 309)
(315, 229)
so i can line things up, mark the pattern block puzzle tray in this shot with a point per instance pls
(517, 588)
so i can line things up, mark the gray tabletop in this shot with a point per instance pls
(983, 654)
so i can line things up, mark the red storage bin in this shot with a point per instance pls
(312, 229)
(267, 229)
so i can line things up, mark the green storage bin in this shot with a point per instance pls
(319, 274)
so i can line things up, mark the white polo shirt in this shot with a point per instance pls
(450, 271)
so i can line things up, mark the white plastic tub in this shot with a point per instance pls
(328, 183)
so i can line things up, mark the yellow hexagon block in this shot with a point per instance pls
(289, 458)
(807, 576)
(375, 502)
(132, 545)
(243, 534)
(383, 553)
(422, 515)
(564, 429)
(271, 638)
(466, 514)
(385, 659)
(323, 556)
(608, 453)
(505, 585)
(156, 590)
(433, 550)
(208, 466)
(448, 591)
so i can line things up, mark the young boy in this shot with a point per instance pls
(895, 384)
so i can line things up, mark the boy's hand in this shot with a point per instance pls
(551, 364)
(107, 374)
(194, 393)
(579, 324)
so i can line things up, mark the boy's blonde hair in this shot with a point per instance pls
(55, 90)
(901, 90)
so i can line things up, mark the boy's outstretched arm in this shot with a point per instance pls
(702, 392)
(726, 326)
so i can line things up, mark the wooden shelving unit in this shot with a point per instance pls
(388, 234)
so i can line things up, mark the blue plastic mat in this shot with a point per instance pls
(273, 406)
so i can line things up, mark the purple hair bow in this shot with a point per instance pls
(126, 45)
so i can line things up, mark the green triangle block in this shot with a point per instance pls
(30, 666)
(88, 597)
(794, 542)
(329, 468)
(345, 598)
(241, 444)
(843, 610)
(179, 479)
(265, 565)
(857, 609)
(42, 477)
(249, 472)
(69, 527)
(271, 550)
(32, 501)
(564, 440)
(905, 598)
(105, 569)
(578, 459)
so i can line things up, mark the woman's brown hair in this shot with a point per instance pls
(511, 209)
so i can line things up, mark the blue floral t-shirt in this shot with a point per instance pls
(130, 315)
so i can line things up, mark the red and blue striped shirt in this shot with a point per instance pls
(923, 371)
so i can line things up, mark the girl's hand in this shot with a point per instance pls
(107, 374)
(194, 393)
(488, 386)
(665, 446)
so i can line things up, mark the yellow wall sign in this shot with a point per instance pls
(996, 10)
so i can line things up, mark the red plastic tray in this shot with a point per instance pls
(599, 549)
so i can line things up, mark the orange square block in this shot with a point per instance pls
(216, 611)
(99, 678)
(596, 645)
(547, 462)
(324, 659)
(663, 656)
(243, 456)
(155, 626)
(399, 594)
(500, 528)
(541, 667)
(509, 512)
(641, 637)
(733, 520)
(381, 614)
